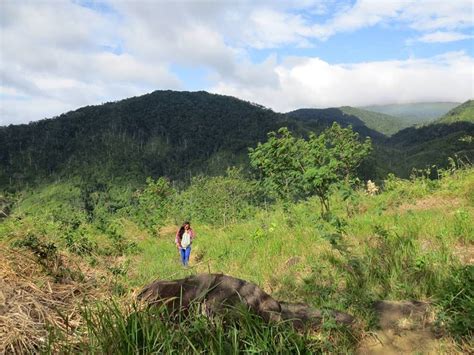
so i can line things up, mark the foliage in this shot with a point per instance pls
(153, 204)
(456, 300)
(164, 133)
(463, 112)
(219, 200)
(291, 167)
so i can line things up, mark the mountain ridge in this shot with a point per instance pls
(181, 134)
(463, 112)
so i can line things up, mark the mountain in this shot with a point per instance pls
(415, 113)
(426, 146)
(164, 133)
(377, 121)
(181, 134)
(463, 112)
(319, 119)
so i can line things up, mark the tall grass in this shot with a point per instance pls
(114, 330)
(408, 242)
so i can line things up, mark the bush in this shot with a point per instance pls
(216, 200)
(153, 204)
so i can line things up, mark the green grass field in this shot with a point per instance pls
(412, 241)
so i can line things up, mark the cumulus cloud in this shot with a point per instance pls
(59, 55)
(312, 82)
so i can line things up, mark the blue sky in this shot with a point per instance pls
(59, 55)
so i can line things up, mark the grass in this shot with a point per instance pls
(134, 330)
(409, 242)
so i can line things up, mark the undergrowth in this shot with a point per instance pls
(410, 241)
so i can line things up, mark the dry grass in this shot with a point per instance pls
(431, 202)
(31, 301)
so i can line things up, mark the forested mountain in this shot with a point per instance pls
(380, 122)
(426, 146)
(319, 119)
(412, 147)
(179, 134)
(162, 133)
(415, 113)
(463, 112)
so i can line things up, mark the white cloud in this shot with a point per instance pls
(312, 82)
(55, 56)
(58, 55)
(442, 37)
(421, 15)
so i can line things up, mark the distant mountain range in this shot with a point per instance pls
(180, 134)
(415, 113)
(464, 112)
(367, 123)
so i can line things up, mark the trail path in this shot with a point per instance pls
(405, 328)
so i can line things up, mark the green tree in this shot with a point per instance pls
(216, 200)
(153, 203)
(279, 161)
(292, 167)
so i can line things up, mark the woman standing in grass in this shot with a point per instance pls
(184, 239)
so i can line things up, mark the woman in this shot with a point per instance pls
(184, 239)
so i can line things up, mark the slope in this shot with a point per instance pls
(319, 119)
(463, 112)
(415, 113)
(166, 133)
(377, 121)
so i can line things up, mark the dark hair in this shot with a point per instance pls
(181, 230)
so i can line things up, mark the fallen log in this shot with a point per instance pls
(215, 292)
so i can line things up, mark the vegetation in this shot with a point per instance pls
(318, 120)
(292, 167)
(377, 121)
(463, 112)
(415, 113)
(412, 241)
(91, 216)
(179, 135)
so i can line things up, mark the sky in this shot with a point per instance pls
(59, 55)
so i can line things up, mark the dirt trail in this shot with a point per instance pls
(405, 328)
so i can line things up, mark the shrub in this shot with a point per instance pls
(216, 200)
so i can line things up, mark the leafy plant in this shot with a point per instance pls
(291, 167)
(153, 203)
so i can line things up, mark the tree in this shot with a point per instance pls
(153, 203)
(279, 161)
(292, 167)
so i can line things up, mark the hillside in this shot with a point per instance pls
(426, 146)
(183, 134)
(377, 121)
(412, 241)
(415, 113)
(463, 112)
(319, 119)
(163, 133)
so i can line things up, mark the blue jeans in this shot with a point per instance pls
(185, 255)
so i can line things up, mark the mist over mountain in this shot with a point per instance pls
(414, 113)
(463, 112)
